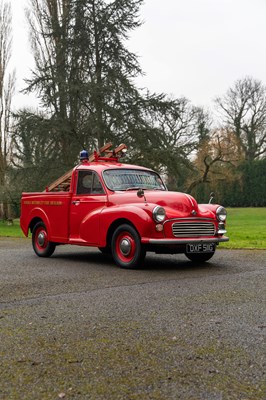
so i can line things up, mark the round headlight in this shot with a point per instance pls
(221, 214)
(158, 214)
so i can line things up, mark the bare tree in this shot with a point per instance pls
(243, 110)
(216, 160)
(7, 84)
(176, 129)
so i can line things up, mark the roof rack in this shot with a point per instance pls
(103, 154)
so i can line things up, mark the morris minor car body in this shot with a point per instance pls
(124, 210)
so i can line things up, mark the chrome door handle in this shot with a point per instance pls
(76, 202)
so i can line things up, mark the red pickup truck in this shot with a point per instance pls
(124, 210)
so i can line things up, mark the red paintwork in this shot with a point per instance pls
(89, 222)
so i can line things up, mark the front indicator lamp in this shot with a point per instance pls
(221, 228)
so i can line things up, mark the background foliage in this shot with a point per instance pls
(84, 79)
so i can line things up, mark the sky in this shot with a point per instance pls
(191, 48)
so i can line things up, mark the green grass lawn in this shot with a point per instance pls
(11, 230)
(246, 228)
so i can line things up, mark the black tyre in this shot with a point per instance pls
(40, 242)
(127, 250)
(199, 257)
(105, 250)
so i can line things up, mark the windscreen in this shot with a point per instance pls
(127, 179)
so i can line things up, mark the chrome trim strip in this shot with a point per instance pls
(190, 219)
(183, 241)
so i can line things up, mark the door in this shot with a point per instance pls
(86, 205)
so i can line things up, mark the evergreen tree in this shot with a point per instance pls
(85, 78)
(83, 70)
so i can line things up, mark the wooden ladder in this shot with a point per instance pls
(105, 152)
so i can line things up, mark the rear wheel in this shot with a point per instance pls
(199, 257)
(126, 247)
(40, 242)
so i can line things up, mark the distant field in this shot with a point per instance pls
(246, 228)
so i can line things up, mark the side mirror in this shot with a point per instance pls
(140, 193)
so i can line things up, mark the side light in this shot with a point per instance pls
(159, 227)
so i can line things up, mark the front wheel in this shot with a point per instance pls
(105, 250)
(126, 247)
(199, 257)
(40, 242)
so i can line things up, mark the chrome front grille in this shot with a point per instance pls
(193, 229)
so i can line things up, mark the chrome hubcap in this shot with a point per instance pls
(41, 239)
(125, 247)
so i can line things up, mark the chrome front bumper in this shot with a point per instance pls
(188, 240)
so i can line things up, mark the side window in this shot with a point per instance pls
(89, 183)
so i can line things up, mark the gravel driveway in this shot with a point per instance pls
(75, 326)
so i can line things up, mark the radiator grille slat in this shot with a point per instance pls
(190, 229)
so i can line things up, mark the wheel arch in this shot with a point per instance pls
(112, 217)
(33, 222)
(39, 215)
(114, 225)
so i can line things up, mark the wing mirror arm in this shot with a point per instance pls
(140, 193)
(212, 195)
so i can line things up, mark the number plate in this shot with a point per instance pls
(200, 247)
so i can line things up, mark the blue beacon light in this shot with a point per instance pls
(83, 155)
